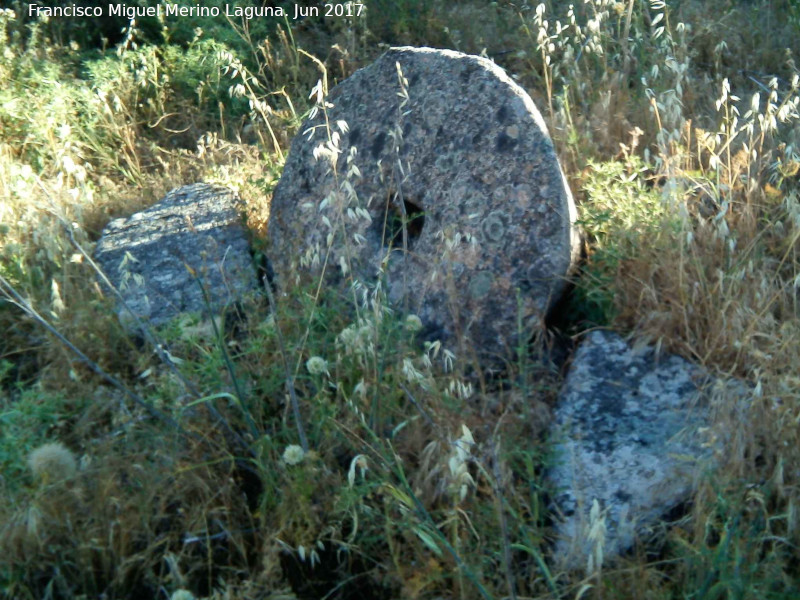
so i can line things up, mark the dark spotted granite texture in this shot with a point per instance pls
(156, 257)
(462, 149)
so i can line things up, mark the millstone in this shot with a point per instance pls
(634, 431)
(158, 258)
(457, 205)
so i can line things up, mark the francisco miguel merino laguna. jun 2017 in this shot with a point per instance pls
(350, 9)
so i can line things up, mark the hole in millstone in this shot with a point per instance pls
(415, 221)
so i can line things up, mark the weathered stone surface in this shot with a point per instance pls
(148, 256)
(468, 150)
(633, 432)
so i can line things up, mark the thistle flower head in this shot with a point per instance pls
(293, 454)
(317, 365)
(413, 323)
(52, 462)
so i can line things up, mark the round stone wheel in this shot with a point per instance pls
(433, 172)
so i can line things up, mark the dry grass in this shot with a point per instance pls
(419, 480)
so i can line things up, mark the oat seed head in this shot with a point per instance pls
(596, 538)
(458, 463)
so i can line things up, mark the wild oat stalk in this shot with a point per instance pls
(298, 419)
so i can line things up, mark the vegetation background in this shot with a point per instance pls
(408, 473)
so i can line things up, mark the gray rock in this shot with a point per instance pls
(150, 256)
(633, 431)
(469, 158)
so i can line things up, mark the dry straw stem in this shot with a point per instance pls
(298, 419)
(497, 485)
(13, 297)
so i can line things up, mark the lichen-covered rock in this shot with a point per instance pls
(156, 257)
(633, 431)
(451, 141)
